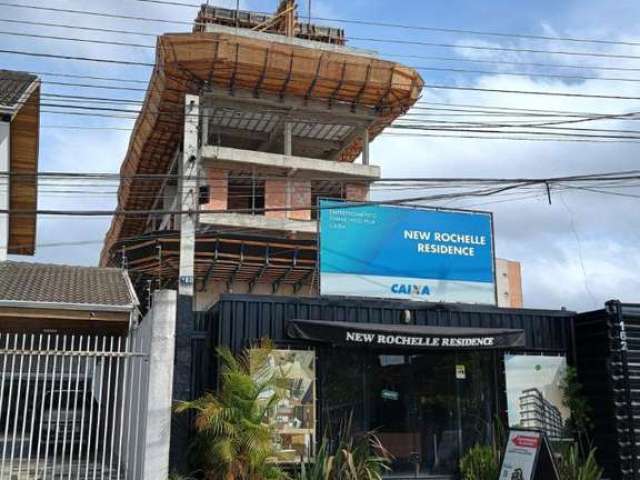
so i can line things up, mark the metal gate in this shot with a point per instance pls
(72, 406)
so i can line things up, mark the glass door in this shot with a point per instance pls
(393, 407)
(425, 408)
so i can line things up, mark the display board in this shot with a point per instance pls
(528, 456)
(534, 393)
(414, 253)
(293, 415)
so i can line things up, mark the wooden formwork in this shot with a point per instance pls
(191, 62)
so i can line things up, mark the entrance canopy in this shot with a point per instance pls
(415, 337)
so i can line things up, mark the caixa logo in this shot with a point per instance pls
(410, 289)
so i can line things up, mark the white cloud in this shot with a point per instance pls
(542, 236)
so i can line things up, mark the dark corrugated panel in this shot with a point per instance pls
(608, 372)
(243, 319)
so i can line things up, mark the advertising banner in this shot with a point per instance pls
(534, 394)
(414, 253)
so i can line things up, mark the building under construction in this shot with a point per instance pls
(248, 121)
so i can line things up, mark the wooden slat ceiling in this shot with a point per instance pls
(224, 258)
(187, 62)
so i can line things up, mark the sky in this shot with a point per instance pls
(577, 252)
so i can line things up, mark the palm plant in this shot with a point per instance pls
(234, 440)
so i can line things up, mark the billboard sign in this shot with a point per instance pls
(415, 253)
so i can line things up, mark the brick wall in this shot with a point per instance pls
(275, 196)
(358, 192)
(299, 196)
(218, 189)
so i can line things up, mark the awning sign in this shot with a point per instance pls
(417, 337)
(528, 456)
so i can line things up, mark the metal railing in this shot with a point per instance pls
(72, 406)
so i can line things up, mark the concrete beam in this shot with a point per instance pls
(243, 158)
(258, 222)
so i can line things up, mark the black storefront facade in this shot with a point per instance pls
(428, 378)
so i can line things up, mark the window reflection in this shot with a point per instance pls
(419, 410)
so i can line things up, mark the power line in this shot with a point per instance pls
(436, 58)
(72, 57)
(77, 27)
(398, 41)
(75, 39)
(496, 49)
(436, 29)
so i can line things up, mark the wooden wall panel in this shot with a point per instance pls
(23, 190)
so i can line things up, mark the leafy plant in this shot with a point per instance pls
(481, 462)
(234, 440)
(579, 423)
(353, 457)
(572, 465)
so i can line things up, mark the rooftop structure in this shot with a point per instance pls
(246, 123)
(19, 138)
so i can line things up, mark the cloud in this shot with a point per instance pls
(579, 251)
(583, 248)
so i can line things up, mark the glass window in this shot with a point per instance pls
(424, 407)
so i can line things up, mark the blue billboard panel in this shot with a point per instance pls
(384, 251)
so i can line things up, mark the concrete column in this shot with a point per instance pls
(365, 146)
(288, 139)
(189, 195)
(299, 196)
(275, 196)
(184, 317)
(162, 320)
(204, 126)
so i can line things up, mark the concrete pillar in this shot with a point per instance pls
(365, 146)
(162, 318)
(299, 196)
(358, 192)
(189, 195)
(204, 126)
(288, 138)
(275, 196)
(218, 180)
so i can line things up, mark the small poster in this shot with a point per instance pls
(534, 394)
(520, 455)
(528, 456)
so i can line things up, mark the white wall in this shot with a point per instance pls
(4, 190)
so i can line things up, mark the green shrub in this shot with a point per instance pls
(480, 463)
(573, 466)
